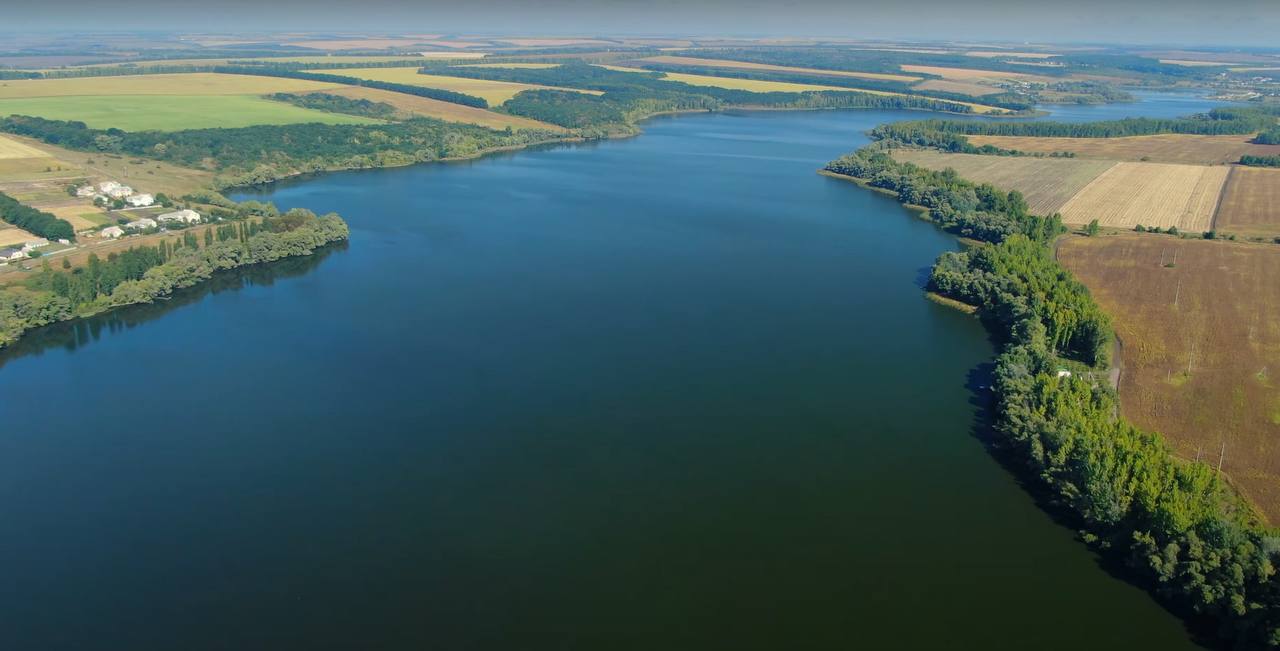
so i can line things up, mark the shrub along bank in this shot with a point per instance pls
(1185, 534)
(145, 273)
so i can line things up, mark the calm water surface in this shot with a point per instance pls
(672, 392)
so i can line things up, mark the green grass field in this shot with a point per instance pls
(170, 112)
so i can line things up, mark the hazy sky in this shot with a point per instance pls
(1223, 22)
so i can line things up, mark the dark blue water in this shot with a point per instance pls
(675, 392)
(1149, 104)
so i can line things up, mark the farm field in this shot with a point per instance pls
(1150, 194)
(335, 58)
(10, 235)
(962, 87)
(434, 108)
(758, 86)
(746, 65)
(969, 74)
(171, 112)
(1199, 324)
(1164, 148)
(1046, 183)
(1251, 202)
(494, 92)
(200, 83)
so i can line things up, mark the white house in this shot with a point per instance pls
(111, 231)
(107, 186)
(9, 254)
(139, 224)
(86, 191)
(186, 215)
(120, 192)
(140, 200)
(34, 244)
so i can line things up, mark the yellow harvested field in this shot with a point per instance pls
(434, 108)
(996, 54)
(1164, 148)
(1151, 194)
(746, 65)
(10, 235)
(514, 66)
(968, 74)
(1251, 202)
(1046, 183)
(200, 83)
(494, 92)
(10, 148)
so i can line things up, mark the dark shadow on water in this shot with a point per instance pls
(74, 334)
(1201, 630)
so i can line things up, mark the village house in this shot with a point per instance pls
(139, 224)
(187, 215)
(9, 254)
(111, 231)
(120, 192)
(86, 191)
(140, 200)
(29, 245)
(106, 187)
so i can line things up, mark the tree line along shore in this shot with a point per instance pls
(1177, 526)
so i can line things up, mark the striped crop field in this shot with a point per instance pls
(1150, 194)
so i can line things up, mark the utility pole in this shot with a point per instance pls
(1177, 292)
(1222, 455)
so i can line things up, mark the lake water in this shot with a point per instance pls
(671, 392)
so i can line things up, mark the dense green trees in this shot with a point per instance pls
(34, 221)
(1269, 137)
(977, 211)
(1260, 161)
(1180, 529)
(142, 274)
(338, 104)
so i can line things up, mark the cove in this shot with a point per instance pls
(676, 391)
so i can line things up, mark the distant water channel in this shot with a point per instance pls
(671, 392)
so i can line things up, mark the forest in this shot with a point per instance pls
(36, 222)
(1180, 530)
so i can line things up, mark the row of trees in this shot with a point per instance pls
(1218, 121)
(142, 274)
(628, 96)
(37, 222)
(1260, 161)
(263, 153)
(292, 73)
(1176, 525)
(976, 211)
(338, 104)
